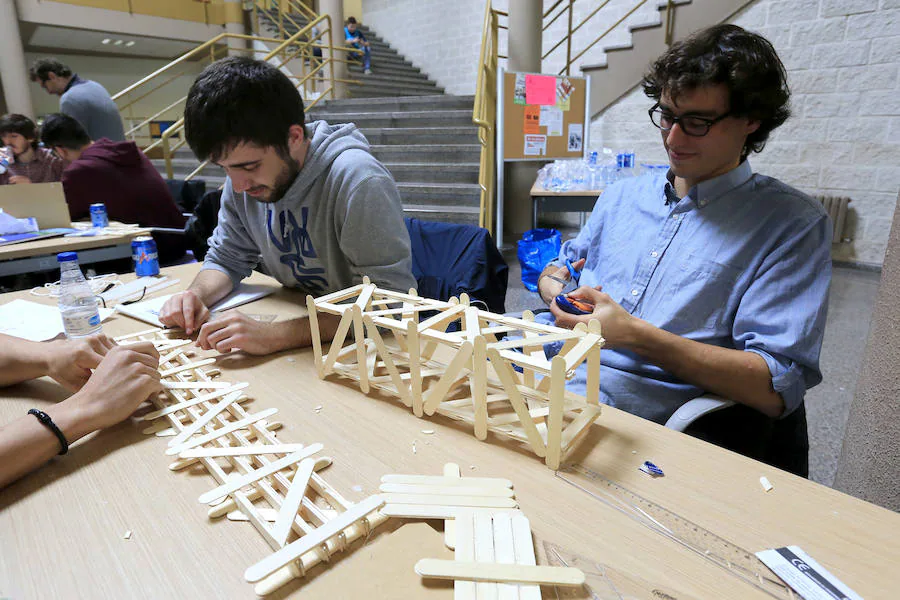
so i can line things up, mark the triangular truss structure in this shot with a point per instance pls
(259, 477)
(491, 373)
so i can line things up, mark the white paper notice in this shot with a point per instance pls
(576, 131)
(552, 119)
(148, 310)
(535, 145)
(35, 322)
(805, 576)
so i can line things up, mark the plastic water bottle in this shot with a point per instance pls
(625, 164)
(6, 158)
(77, 303)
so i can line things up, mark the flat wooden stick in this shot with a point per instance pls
(439, 480)
(231, 427)
(314, 334)
(415, 369)
(507, 377)
(592, 389)
(246, 450)
(437, 392)
(236, 483)
(479, 381)
(298, 548)
(194, 401)
(524, 549)
(464, 546)
(361, 362)
(187, 367)
(337, 341)
(504, 553)
(292, 501)
(450, 569)
(196, 385)
(484, 552)
(211, 413)
(429, 500)
(433, 511)
(450, 470)
(136, 334)
(385, 354)
(446, 490)
(555, 418)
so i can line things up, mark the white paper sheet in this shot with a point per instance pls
(33, 321)
(148, 310)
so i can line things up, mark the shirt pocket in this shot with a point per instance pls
(700, 294)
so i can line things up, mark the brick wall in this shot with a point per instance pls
(843, 139)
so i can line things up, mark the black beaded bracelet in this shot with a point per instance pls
(47, 422)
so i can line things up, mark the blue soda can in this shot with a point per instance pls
(99, 218)
(625, 160)
(144, 256)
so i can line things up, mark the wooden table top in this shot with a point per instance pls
(62, 528)
(66, 244)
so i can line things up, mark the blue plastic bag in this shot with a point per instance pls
(537, 248)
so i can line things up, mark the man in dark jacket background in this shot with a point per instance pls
(116, 174)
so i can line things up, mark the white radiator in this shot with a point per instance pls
(837, 207)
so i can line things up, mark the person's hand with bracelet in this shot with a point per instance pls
(125, 377)
(553, 280)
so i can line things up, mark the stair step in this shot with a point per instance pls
(389, 68)
(441, 118)
(438, 153)
(421, 135)
(440, 194)
(433, 173)
(377, 76)
(394, 89)
(467, 216)
(398, 103)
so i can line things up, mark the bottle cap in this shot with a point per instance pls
(66, 256)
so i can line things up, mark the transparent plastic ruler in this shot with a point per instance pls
(602, 582)
(737, 561)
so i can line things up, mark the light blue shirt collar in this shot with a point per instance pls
(705, 192)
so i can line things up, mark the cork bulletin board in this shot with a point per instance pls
(544, 117)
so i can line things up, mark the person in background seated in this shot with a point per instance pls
(85, 100)
(713, 278)
(116, 174)
(123, 378)
(358, 40)
(31, 163)
(306, 203)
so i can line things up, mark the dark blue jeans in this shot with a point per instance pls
(367, 56)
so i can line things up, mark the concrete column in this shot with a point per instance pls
(335, 10)
(870, 458)
(13, 69)
(525, 21)
(234, 23)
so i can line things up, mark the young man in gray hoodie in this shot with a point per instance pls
(307, 203)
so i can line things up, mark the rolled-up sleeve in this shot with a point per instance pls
(781, 317)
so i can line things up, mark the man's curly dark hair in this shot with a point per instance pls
(744, 61)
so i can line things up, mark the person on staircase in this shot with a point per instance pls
(306, 203)
(355, 38)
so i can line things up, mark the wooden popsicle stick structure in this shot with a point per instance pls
(505, 386)
(272, 485)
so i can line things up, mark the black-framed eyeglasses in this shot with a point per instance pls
(690, 125)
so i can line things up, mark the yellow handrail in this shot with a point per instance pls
(484, 112)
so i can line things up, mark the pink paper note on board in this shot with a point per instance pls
(540, 89)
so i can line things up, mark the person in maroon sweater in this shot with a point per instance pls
(117, 174)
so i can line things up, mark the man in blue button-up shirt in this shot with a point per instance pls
(712, 279)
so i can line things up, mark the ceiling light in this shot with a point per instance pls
(106, 41)
(129, 44)
(118, 42)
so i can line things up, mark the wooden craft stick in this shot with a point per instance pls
(442, 317)
(361, 362)
(415, 370)
(450, 481)
(484, 553)
(231, 427)
(450, 569)
(373, 334)
(337, 342)
(450, 376)
(296, 549)
(211, 413)
(540, 340)
(236, 483)
(340, 294)
(479, 382)
(247, 450)
(129, 336)
(592, 390)
(504, 553)
(292, 501)
(557, 406)
(170, 357)
(524, 551)
(194, 401)
(507, 377)
(450, 470)
(267, 514)
(431, 499)
(433, 511)
(314, 334)
(229, 504)
(187, 367)
(464, 551)
(195, 385)
(447, 490)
